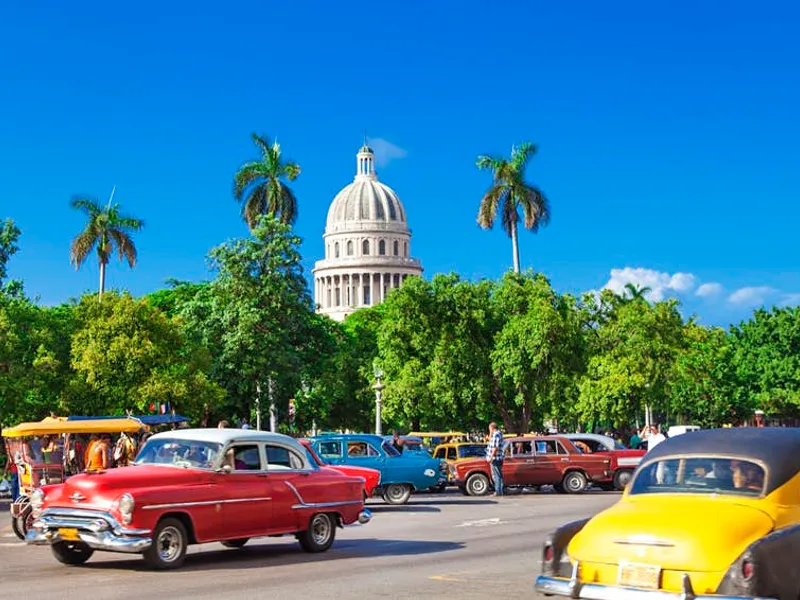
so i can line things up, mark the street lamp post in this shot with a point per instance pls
(378, 387)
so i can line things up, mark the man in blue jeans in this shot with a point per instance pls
(494, 456)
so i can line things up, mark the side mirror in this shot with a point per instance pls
(224, 470)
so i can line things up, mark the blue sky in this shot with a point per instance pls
(668, 133)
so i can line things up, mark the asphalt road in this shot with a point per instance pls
(438, 546)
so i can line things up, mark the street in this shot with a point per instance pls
(438, 546)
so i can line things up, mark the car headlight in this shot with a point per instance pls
(37, 501)
(126, 505)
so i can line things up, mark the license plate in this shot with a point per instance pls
(639, 576)
(69, 535)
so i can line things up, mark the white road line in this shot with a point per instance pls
(482, 523)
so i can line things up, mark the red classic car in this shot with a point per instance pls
(533, 462)
(372, 477)
(623, 460)
(194, 486)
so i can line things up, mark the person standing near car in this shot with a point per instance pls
(494, 456)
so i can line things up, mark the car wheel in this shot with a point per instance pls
(235, 543)
(71, 553)
(18, 527)
(320, 533)
(397, 493)
(168, 550)
(574, 482)
(478, 485)
(622, 478)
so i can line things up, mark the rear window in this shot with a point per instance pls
(476, 451)
(700, 476)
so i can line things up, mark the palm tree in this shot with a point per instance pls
(259, 183)
(509, 192)
(634, 293)
(106, 230)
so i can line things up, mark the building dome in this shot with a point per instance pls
(367, 244)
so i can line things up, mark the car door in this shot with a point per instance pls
(519, 468)
(289, 476)
(330, 451)
(248, 491)
(364, 454)
(547, 467)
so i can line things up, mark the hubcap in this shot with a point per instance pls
(624, 478)
(396, 492)
(478, 485)
(169, 544)
(574, 483)
(321, 529)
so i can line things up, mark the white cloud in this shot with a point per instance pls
(751, 295)
(790, 300)
(709, 290)
(385, 151)
(661, 284)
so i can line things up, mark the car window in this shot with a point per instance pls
(361, 449)
(439, 453)
(243, 457)
(280, 458)
(546, 447)
(700, 475)
(472, 451)
(389, 449)
(451, 453)
(522, 448)
(181, 453)
(330, 449)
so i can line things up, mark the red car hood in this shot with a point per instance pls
(100, 489)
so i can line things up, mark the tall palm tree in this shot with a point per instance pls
(106, 230)
(509, 193)
(260, 185)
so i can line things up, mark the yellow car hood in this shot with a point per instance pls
(674, 532)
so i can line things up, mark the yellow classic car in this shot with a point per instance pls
(707, 514)
(454, 452)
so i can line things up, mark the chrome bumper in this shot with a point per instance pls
(98, 530)
(572, 588)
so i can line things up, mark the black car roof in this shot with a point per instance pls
(776, 447)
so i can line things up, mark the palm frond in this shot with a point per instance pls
(535, 208)
(489, 163)
(126, 249)
(82, 246)
(291, 170)
(508, 212)
(261, 142)
(487, 212)
(247, 174)
(521, 156)
(288, 212)
(130, 223)
(255, 205)
(91, 206)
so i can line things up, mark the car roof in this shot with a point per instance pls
(224, 436)
(367, 437)
(776, 447)
(603, 439)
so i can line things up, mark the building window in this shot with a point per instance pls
(365, 247)
(336, 249)
(382, 248)
(350, 248)
(405, 249)
(396, 248)
(367, 296)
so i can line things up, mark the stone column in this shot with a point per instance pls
(371, 291)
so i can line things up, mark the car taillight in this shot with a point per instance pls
(548, 553)
(747, 569)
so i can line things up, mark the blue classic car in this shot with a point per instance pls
(401, 474)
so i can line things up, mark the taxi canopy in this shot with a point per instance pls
(436, 434)
(59, 425)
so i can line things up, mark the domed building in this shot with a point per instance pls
(367, 245)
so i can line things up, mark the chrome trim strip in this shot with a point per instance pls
(303, 504)
(203, 503)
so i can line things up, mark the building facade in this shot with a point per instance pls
(367, 245)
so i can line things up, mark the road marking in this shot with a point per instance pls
(11, 544)
(451, 578)
(482, 523)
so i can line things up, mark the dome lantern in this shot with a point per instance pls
(365, 163)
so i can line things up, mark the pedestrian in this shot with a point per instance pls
(655, 438)
(12, 474)
(397, 443)
(222, 425)
(494, 456)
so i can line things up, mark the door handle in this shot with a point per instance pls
(564, 460)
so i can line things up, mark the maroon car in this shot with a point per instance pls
(536, 461)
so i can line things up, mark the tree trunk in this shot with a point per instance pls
(515, 246)
(102, 280)
(273, 411)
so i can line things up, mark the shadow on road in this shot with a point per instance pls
(258, 554)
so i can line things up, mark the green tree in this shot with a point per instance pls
(259, 184)
(128, 355)
(9, 235)
(766, 356)
(107, 229)
(633, 350)
(539, 351)
(256, 318)
(509, 193)
(703, 389)
(636, 293)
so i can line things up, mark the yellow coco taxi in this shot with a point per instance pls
(708, 514)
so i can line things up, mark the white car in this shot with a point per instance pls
(681, 429)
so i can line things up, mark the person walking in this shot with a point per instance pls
(494, 456)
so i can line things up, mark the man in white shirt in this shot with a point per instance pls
(655, 438)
